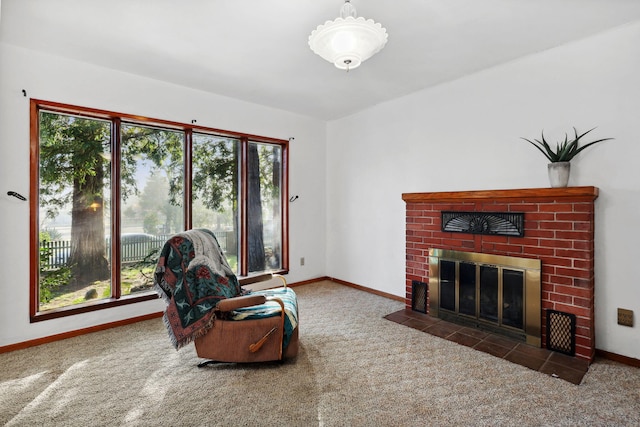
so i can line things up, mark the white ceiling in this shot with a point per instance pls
(256, 50)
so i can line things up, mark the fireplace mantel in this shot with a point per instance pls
(558, 230)
(525, 193)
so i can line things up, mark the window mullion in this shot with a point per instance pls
(244, 197)
(284, 197)
(188, 176)
(116, 280)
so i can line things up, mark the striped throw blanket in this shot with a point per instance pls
(272, 308)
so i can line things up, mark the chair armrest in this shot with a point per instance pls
(230, 304)
(282, 279)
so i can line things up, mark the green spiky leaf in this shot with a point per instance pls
(566, 150)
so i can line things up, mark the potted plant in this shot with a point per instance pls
(560, 157)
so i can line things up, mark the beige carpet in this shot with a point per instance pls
(354, 368)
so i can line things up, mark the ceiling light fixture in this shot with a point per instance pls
(348, 41)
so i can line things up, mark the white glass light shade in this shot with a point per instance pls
(348, 41)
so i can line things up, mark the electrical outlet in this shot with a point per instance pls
(625, 317)
(302, 261)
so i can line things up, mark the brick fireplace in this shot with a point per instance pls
(558, 230)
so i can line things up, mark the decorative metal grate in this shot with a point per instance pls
(561, 332)
(496, 223)
(419, 296)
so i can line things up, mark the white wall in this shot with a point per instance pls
(55, 79)
(464, 135)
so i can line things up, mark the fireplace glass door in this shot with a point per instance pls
(489, 300)
(448, 285)
(467, 275)
(496, 297)
(512, 298)
(502, 288)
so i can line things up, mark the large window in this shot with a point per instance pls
(108, 189)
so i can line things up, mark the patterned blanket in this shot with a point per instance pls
(192, 276)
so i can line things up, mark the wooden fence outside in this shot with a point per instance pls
(134, 248)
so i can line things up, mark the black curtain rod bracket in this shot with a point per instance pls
(16, 195)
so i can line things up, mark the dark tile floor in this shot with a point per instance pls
(548, 362)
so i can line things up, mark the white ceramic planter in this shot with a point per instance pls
(559, 173)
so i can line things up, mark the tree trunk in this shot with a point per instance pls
(254, 211)
(87, 259)
(277, 209)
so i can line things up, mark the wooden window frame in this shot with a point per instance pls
(116, 120)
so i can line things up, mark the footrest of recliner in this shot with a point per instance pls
(230, 340)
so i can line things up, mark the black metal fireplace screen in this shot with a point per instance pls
(493, 292)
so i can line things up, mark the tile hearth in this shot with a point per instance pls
(539, 359)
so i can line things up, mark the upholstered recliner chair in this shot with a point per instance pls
(206, 304)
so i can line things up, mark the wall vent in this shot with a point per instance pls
(561, 332)
(419, 296)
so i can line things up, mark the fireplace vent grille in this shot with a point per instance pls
(419, 296)
(561, 332)
(496, 223)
